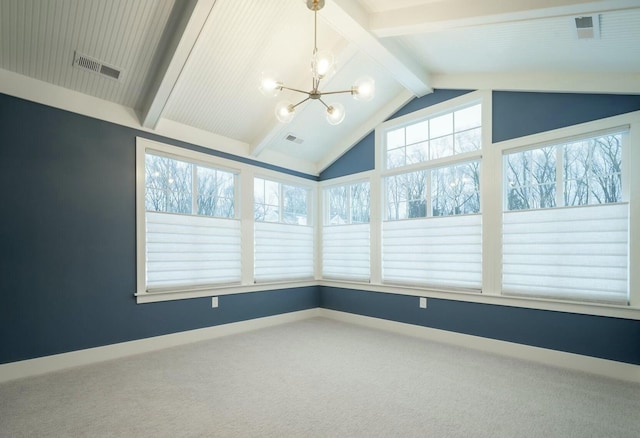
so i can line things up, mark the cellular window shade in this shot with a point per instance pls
(191, 251)
(346, 252)
(443, 252)
(576, 253)
(282, 252)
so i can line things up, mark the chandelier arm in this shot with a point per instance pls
(282, 87)
(301, 102)
(337, 92)
(322, 101)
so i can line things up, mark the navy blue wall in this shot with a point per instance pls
(608, 338)
(515, 114)
(359, 158)
(519, 114)
(67, 241)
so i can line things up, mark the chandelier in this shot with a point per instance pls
(322, 63)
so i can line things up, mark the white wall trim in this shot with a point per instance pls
(58, 362)
(571, 361)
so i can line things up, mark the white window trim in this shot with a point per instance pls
(374, 225)
(283, 179)
(491, 207)
(322, 216)
(442, 108)
(293, 181)
(359, 179)
(483, 98)
(244, 211)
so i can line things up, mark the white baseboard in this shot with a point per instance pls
(57, 362)
(576, 362)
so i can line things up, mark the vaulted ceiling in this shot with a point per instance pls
(189, 69)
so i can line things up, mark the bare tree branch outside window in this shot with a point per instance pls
(591, 174)
(170, 188)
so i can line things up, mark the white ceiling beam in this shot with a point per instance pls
(181, 35)
(438, 16)
(349, 19)
(616, 83)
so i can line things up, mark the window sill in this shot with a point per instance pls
(154, 297)
(595, 309)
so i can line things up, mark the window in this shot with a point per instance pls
(442, 191)
(276, 202)
(431, 234)
(346, 232)
(283, 237)
(192, 237)
(348, 204)
(566, 222)
(441, 136)
(550, 215)
(174, 186)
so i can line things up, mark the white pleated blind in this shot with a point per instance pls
(346, 252)
(282, 252)
(441, 252)
(191, 251)
(570, 253)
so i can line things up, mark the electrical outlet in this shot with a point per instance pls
(214, 302)
(423, 302)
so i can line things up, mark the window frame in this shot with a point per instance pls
(243, 212)
(194, 182)
(560, 181)
(563, 137)
(491, 207)
(324, 220)
(425, 115)
(309, 188)
(468, 100)
(482, 98)
(325, 212)
(630, 195)
(311, 193)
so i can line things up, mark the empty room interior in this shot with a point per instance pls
(320, 218)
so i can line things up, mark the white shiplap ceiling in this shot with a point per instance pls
(190, 69)
(38, 39)
(551, 45)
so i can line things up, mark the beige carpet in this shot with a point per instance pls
(318, 378)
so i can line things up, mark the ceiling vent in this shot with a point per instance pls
(86, 63)
(293, 138)
(587, 27)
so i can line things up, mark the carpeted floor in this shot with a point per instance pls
(319, 378)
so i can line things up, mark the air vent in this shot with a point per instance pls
(587, 27)
(293, 138)
(87, 63)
